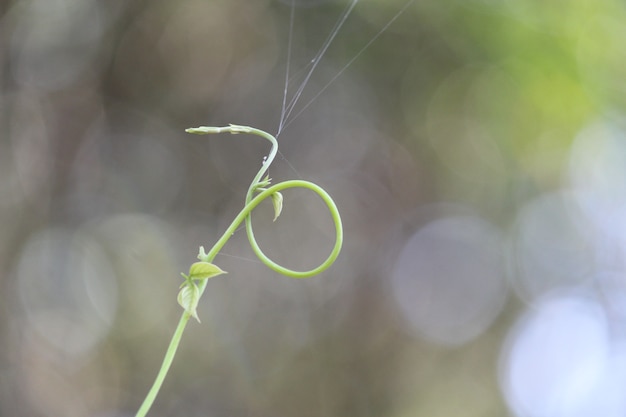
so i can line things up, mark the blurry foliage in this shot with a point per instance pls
(504, 117)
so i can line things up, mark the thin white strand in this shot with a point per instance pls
(318, 57)
(243, 258)
(345, 67)
(284, 158)
(289, 42)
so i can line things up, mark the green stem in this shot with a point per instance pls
(165, 366)
(251, 203)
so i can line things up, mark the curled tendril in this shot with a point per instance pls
(253, 201)
(196, 281)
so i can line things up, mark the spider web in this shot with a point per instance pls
(289, 102)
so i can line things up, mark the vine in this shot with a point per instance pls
(196, 280)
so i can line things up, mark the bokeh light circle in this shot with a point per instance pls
(448, 279)
(67, 289)
(558, 361)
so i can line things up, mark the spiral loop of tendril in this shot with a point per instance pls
(253, 201)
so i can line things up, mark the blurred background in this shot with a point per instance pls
(476, 151)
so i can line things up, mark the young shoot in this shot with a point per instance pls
(261, 188)
(195, 281)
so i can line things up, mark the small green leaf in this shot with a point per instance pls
(202, 255)
(188, 298)
(277, 200)
(264, 183)
(204, 270)
(187, 280)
